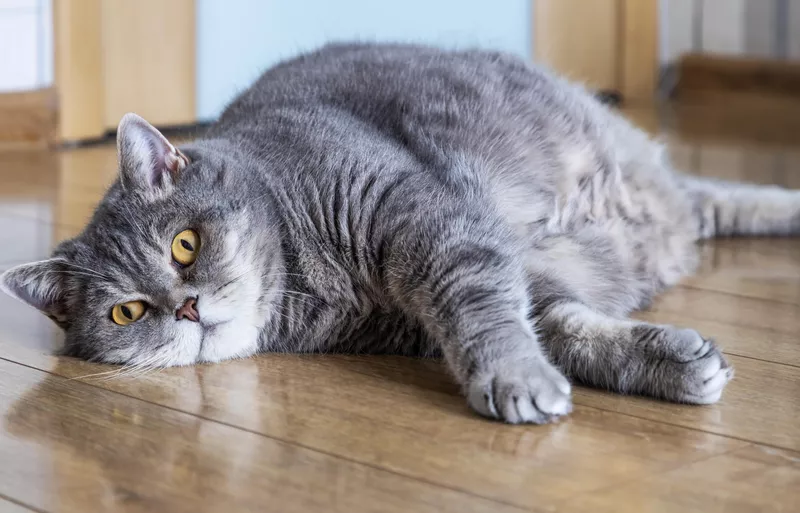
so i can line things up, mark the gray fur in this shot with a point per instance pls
(401, 199)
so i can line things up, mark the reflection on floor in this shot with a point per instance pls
(292, 433)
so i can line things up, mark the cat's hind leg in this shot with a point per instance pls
(725, 208)
(631, 357)
(580, 303)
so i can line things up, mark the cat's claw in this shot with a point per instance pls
(528, 391)
(706, 378)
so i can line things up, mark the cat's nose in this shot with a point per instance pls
(188, 310)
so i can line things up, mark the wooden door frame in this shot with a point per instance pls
(81, 56)
(631, 55)
(638, 49)
(78, 58)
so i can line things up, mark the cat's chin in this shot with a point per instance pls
(228, 340)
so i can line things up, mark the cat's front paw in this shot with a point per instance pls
(523, 391)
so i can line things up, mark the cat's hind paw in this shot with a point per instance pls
(685, 367)
(705, 378)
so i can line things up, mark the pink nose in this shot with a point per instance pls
(188, 311)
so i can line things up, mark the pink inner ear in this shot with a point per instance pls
(146, 156)
(176, 161)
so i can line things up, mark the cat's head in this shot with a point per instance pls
(175, 267)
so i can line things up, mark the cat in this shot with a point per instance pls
(376, 198)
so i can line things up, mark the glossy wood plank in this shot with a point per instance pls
(767, 480)
(408, 416)
(28, 119)
(736, 340)
(756, 268)
(761, 404)
(70, 447)
(35, 169)
(734, 310)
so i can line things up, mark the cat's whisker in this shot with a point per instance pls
(229, 282)
(284, 291)
(131, 371)
(136, 372)
(112, 375)
(87, 269)
(75, 273)
(245, 273)
(96, 374)
(117, 373)
(138, 369)
(285, 316)
(270, 275)
(301, 301)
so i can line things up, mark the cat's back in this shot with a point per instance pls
(353, 74)
(387, 85)
(388, 99)
(382, 106)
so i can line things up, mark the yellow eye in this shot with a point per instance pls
(127, 313)
(185, 247)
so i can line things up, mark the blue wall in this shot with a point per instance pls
(238, 39)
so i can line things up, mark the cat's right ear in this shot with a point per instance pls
(41, 285)
(148, 162)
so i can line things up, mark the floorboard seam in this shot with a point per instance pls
(21, 504)
(762, 360)
(699, 430)
(734, 294)
(656, 473)
(280, 440)
(594, 407)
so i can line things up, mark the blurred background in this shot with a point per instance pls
(178, 62)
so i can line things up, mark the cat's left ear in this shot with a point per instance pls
(41, 285)
(147, 160)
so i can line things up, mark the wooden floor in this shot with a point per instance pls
(323, 433)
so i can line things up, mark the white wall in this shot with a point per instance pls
(238, 39)
(26, 44)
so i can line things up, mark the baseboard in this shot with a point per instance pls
(610, 97)
(703, 74)
(736, 119)
(28, 119)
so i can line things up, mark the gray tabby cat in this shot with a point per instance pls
(402, 199)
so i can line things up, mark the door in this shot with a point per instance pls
(609, 45)
(113, 57)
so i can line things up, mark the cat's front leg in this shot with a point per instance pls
(461, 276)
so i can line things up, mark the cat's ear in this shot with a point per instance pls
(41, 285)
(147, 160)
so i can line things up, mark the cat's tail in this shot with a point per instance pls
(728, 208)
